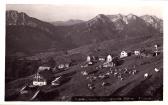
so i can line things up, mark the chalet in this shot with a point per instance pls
(62, 63)
(101, 59)
(109, 59)
(109, 62)
(156, 70)
(146, 75)
(156, 46)
(88, 59)
(137, 52)
(38, 80)
(123, 54)
(63, 66)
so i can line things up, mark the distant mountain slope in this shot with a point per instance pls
(67, 23)
(25, 33)
(95, 30)
(106, 27)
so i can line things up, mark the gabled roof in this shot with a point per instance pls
(124, 51)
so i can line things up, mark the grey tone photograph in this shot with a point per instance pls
(84, 52)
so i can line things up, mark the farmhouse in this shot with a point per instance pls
(63, 63)
(156, 46)
(38, 80)
(137, 52)
(63, 66)
(123, 54)
(109, 59)
(101, 59)
(109, 62)
(88, 59)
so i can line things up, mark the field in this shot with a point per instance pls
(118, 83)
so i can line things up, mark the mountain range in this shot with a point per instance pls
(28, 35)
(67, 23)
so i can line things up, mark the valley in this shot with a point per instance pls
(31, 44)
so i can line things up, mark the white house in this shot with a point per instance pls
(88, 59)
(101, 59)
(156, 70)
(137, 52)
(123, 54)
(109, 59)
(39, 80)
(62, 66)
(109, 62)
(156, 46)
(146, 75)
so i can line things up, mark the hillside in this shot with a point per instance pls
(32, 43)
(75, 84)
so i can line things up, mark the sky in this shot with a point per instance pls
(54, 12)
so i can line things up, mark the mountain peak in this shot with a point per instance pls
(153, 21)
(131, 16)
(15, 13)
(150, 18)
(100, 16)
(99, 19)
(14, 17)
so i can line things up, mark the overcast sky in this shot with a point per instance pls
(84, 12)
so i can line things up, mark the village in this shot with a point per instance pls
(95, 70)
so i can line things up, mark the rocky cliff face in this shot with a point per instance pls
(22, 19)
(154, 22)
